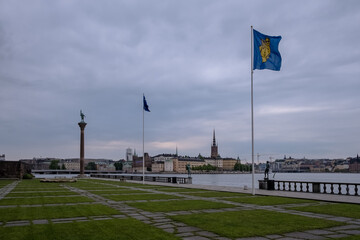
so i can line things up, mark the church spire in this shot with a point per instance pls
(214, 147)
(214, 140)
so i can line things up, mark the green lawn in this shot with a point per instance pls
(150, 196)
(252, 223)
(51, 212)
(338, 209)
(43, 200)
(35, 183)
(216, 194)
(182, 205)
(115, 191)
(182, 190)
(124, 229)
(40, 194)
(268, 200)
(5, 182)
(39, 189)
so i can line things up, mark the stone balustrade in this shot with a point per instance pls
(314, 187)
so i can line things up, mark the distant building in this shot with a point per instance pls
(169, 165)
(218, 162)
(137, 165)
(2, 157)
(72, 164)
(157, 166)
(180, 164)
(163, 157)
(129, 155)
(229, 163)
(127, 166)
(354, 166)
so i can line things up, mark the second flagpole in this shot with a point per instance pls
(252, 114)
(143, 172)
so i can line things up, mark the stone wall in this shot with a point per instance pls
(13, 169)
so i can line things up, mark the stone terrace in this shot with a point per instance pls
(129, 199)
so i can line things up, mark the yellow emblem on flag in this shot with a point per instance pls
(265, 49)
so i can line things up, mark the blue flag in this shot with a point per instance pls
(146, 107)
(266, 52)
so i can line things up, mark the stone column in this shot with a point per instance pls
(82, 125)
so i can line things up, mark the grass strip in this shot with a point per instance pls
(125, 229)
(46, 212)
(116, 191)
(40, 194)
(252, 223)
(217, 194)
(269, 200)
(29, 189)
(167, 189)
(186, 205)
(36, 183)
(149, 196)
(4, 182)
(43, 200)
(337, 209)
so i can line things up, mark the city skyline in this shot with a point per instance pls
(192, 61)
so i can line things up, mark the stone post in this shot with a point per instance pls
(82, 125)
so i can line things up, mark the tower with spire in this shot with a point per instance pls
(214, 147)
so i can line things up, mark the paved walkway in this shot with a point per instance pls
(163, 221)
(8, 188)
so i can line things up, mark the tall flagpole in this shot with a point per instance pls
(143, 172)
(252, 113)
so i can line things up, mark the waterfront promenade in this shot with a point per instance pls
(110, 209)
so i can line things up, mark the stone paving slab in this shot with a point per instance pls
(17, 223)
(55, 222)
(165, 226)
(351, 232)
(169, 230)
(253, 238)
(140, 217)
(346, 227)
(286, 238)
(303, 235)
(160, 220)
(196, 238)
(186, 234)
(337, 236)
(207, 234)
(40, 221)
(273, 236)
(179, 224)
(187, 229)
(319, 232)
(340, 219)
(118, 216)
(102, 218)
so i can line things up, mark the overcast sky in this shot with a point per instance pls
(191, 58)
